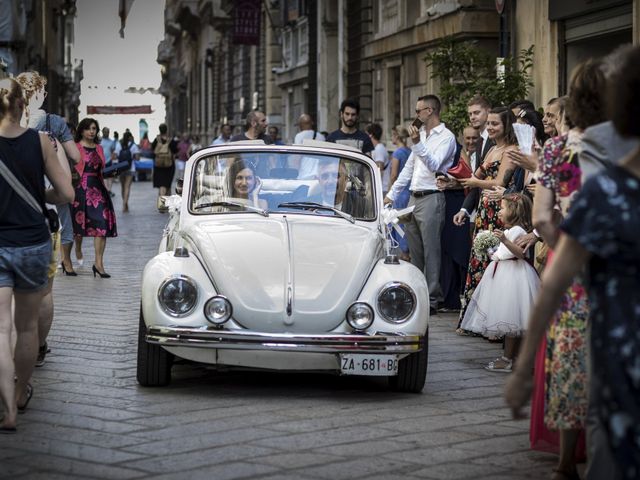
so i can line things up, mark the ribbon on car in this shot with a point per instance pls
(390, 218)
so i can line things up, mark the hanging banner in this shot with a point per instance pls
(117, 110)
(246, 22)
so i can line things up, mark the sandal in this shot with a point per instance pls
(464, 333)
(23, 408)
(500, 364)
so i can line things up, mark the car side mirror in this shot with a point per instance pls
(179, 185)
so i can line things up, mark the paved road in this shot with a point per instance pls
(89, 418)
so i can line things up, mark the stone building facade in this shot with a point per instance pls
(38, 35)
(312, 54)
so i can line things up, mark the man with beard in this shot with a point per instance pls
(256, 126)
(348, 134)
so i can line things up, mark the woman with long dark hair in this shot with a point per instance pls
(497, 170)
(92, 210)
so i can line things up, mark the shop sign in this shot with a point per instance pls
(561, 9)
(246, 22)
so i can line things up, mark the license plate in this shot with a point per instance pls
(363, 364)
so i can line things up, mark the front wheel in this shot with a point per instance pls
(154, 362)
(412, 370)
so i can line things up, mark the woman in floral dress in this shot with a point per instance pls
(497, 170)
(559, 180)
(92, 210)
(602, 233)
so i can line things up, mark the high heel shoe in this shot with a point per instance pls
(96, 271)
(69, 273)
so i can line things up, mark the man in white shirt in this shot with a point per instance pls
(308, 166)
(434, 147)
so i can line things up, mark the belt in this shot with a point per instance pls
(423, 193)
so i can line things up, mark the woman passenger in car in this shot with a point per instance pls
(244, 184)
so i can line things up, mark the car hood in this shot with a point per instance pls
(288, 273)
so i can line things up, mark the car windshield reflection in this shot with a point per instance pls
(278, 182)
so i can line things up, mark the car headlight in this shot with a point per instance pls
(360, 316)
(396, 302)
(178, 295)
(218, 310)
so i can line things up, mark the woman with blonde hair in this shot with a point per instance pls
(26, 156)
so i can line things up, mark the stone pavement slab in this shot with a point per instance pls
(89, 418)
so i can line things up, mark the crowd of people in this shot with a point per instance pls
(518, 195)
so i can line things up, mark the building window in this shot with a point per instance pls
(303, 41)
(287, 50)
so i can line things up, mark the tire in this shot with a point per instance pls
(154, 362)
(412, 370)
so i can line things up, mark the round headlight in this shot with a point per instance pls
(360, 316)
(218, 310)
(396, 302)
(178, 296)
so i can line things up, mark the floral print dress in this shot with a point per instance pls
(92, 209)
(486, 219)
(605, 221)
(565, 364)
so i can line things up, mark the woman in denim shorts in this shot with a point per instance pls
(25, 246)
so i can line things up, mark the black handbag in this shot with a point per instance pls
(115, 169)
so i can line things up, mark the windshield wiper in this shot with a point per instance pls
(227, 203)
(317, 206)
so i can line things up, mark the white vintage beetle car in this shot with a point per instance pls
(276, 257)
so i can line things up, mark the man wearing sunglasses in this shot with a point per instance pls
(433, 150)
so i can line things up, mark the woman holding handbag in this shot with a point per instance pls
(26, 156)
(92, 210)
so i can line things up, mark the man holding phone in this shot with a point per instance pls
(433, 150)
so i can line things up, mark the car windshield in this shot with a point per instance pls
(265, 182)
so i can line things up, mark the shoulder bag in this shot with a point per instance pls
(50, 214)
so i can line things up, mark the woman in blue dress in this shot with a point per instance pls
(399, 137)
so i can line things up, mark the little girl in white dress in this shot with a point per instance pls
(501, 303)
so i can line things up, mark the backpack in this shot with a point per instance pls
(164, 158)
(125, 155)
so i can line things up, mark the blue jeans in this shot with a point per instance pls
(25, 268)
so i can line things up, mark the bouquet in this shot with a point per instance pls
(485, 244)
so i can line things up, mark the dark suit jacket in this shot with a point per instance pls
(473, 197)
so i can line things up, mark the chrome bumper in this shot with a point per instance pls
(209, 337)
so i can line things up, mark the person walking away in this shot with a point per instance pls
(348, 133)
(92, 209)
(109, 148)
(501, 303)
(399, 137)
(164, 168)
(129, 152)
(307, 166)
(25, 245)
(433, 151)
(380, 154)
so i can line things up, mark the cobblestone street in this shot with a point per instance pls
(90, 419)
